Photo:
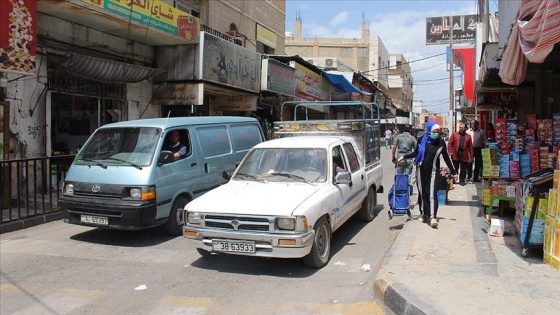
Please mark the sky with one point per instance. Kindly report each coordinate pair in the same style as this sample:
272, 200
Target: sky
401, 26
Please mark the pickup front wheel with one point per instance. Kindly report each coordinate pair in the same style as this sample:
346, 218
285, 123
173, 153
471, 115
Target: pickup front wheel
321, 250
367, 212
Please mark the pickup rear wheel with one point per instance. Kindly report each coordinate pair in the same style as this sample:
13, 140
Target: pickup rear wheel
367, 212
321, 250
173, 225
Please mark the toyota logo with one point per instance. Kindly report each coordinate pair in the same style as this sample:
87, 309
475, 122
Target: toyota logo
235, 224
95, 188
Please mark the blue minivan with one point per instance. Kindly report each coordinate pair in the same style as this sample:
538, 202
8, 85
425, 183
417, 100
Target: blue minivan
124, 178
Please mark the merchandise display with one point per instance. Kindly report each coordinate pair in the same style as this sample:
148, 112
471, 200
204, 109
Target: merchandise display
551, 247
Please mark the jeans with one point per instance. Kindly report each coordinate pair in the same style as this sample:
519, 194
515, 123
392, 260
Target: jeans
387, 143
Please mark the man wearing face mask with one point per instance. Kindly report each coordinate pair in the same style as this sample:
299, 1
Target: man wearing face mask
426, 158
461, 151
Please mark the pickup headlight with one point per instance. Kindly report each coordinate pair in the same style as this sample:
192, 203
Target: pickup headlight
297, 223
194, 217
286, 223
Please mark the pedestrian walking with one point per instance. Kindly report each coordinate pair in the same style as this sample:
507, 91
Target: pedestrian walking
426, 158
461, 151
388, 135
404, 144
479, 141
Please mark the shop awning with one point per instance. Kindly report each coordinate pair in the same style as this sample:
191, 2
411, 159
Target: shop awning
532, 38
107, 70
342, 84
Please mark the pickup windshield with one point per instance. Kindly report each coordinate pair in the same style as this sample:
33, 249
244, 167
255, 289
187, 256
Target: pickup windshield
132, 146
284, 165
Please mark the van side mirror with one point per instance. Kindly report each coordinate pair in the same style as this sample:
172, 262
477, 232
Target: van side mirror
226, 175
165, 157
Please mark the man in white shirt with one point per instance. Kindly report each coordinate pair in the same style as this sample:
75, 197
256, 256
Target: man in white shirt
388, 135
478, 141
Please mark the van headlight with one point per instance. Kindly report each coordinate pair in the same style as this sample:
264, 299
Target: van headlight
142, 193
194, 217
68, 189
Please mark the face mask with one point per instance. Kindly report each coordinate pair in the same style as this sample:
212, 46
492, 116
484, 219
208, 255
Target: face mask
434, 135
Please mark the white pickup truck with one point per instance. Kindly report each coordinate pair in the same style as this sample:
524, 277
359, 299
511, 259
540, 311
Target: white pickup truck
286, 199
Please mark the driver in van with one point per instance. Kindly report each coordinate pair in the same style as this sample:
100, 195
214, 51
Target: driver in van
175, 145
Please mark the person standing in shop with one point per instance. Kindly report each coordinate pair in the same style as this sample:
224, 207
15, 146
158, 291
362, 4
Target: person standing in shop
479, 141
461, 151
426, 158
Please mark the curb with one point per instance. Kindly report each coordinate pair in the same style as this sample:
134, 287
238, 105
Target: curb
393, 294
29, 222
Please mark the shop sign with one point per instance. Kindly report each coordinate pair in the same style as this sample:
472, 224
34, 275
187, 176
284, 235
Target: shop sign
226, 63
235, 103
496, 100
277, 77
360, 85
154, 14
266, 36
310, 86
18, 34
178, 94
438, 29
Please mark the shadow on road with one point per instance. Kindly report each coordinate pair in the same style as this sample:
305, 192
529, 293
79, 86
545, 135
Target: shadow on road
142, 238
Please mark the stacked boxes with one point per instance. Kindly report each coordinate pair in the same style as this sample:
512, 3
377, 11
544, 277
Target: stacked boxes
504, 162
524, 204
490, 166
524, 165
551, 247
556, 129
500, 125
544, 130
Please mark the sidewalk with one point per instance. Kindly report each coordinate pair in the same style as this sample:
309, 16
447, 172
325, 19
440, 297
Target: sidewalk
459, 269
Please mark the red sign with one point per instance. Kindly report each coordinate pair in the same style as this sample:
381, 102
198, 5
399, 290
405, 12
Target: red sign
18, 23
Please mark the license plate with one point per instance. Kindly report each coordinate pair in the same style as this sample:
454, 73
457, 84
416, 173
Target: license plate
94, 220
234, 246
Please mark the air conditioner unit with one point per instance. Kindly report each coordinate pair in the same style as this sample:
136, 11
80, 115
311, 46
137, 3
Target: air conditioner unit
328, 62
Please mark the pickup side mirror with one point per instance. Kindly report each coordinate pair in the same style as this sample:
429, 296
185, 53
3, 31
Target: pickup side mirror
343, 177
165, 157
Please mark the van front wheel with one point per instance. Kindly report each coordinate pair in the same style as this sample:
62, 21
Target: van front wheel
173, 226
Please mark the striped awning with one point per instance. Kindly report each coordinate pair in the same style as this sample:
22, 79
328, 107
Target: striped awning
106, 70
533, 36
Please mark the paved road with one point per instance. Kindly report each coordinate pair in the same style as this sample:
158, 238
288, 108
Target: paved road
57, 268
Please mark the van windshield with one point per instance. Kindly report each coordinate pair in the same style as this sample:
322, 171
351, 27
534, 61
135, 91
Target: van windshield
132, 146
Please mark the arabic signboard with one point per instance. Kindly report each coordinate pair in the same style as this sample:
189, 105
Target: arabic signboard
362, 86
235, 103
277, 77
18, 24
310, 86
266, 36
438, 29
229, 64
154, 14
178, 94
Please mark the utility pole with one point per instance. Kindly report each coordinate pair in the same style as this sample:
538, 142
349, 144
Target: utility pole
451, 88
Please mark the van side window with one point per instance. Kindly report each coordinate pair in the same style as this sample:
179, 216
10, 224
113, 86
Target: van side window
352, 157
245, 136
177, 141
214, 140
